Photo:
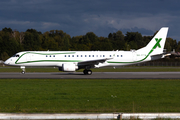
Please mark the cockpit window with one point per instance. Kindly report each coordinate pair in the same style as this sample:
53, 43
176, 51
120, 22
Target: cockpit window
16, 55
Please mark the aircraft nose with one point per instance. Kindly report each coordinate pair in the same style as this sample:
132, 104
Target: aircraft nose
7, 62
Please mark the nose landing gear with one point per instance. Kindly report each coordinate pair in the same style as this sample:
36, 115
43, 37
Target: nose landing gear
23, 69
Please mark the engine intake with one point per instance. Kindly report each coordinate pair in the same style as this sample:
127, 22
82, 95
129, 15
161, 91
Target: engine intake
69, 67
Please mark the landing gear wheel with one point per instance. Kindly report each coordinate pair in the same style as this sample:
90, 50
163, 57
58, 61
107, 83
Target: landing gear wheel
23, 72
87, 72
23, 69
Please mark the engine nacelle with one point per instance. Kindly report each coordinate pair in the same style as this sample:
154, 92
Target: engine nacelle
69, 67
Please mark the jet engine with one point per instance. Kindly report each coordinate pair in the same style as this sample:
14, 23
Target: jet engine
68, 67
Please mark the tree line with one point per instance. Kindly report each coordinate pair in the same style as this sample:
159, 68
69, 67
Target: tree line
13, 41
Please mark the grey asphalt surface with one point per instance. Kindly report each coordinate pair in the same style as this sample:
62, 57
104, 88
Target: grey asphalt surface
95, 75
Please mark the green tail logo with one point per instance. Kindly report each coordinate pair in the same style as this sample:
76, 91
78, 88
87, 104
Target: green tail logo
157, 43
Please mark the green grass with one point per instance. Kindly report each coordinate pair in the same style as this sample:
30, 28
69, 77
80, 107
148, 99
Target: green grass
109, 69
89, 95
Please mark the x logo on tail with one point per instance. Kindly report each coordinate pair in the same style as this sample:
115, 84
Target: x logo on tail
157, 43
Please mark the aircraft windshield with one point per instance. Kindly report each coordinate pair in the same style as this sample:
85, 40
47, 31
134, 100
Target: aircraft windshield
16, 55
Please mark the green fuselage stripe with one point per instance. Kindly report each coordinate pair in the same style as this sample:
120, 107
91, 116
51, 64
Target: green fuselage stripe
154, 47
50, 61
46, 60
134, 61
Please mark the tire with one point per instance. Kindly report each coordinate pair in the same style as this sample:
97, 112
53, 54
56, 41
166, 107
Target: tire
89, 72
85, 72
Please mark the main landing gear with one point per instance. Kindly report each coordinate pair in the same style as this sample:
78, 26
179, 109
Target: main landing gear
23, 69
87, 72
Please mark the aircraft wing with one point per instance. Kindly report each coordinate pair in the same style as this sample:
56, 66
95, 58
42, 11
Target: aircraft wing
91, 63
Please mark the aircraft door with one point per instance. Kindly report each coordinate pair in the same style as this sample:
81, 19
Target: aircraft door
28, 57
134, 55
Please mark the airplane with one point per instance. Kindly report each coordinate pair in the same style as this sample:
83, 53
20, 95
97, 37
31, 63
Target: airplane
70, 61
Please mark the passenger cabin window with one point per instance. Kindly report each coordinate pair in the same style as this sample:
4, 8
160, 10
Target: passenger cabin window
53, 56
77, 55
64, 55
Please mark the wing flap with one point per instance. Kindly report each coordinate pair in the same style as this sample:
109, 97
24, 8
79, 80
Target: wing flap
92, 63
158, 56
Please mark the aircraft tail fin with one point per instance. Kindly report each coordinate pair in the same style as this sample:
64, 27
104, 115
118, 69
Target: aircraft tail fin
156, 45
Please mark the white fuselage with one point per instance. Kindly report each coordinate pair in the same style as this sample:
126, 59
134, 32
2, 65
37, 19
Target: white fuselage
57, 58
